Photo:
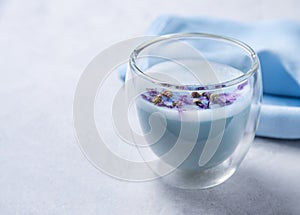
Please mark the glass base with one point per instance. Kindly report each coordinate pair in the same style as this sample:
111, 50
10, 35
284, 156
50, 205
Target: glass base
201, 179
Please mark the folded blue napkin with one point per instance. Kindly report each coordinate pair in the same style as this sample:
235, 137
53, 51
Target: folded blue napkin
277, 44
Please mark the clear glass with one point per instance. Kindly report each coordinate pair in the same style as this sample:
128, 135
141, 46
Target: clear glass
205, 93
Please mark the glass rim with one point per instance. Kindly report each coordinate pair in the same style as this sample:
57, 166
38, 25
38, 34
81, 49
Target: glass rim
190, 87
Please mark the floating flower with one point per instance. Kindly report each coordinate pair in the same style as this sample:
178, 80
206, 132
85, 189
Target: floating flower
177, 104
220, 86
185, 99
225, 99
166, 84
206, 94
152, 92
202, 105
213, 97
241, 86
166, 93
179, 100
195, 95
200, 88
157, 99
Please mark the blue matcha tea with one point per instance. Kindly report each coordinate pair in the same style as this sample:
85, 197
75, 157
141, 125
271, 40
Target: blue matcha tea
219, 117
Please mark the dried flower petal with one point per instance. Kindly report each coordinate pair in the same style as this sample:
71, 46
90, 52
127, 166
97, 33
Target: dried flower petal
213, 97
241, 86
157, 99
166, 93
152, 92
206, 94
166, 84
225, 99
185, 99
180, 100
195, 95
177, 104
200, 88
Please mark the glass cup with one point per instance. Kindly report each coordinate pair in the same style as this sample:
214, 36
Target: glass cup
198, 100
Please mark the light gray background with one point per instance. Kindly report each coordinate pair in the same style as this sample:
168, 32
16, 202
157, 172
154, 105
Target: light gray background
44, 47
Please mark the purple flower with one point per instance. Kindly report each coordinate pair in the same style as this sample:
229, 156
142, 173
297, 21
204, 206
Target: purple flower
204, 100
167, 93
226, 99
161, 104
152, 92
220, 86
149, 99
206, 94
200, 88
242, 85
180, 100
185, 99
202, 104
195, 95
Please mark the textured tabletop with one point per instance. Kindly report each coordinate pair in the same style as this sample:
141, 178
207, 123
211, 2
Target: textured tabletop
44, 47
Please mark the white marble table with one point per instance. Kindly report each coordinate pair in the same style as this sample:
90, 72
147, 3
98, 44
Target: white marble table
44, 47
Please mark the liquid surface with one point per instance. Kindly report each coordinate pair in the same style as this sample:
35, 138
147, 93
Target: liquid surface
237, 97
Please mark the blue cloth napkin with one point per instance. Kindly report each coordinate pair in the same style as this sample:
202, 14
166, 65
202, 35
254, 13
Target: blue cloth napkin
277, 44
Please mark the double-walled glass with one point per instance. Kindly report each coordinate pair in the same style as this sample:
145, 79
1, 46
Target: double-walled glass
203, 92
